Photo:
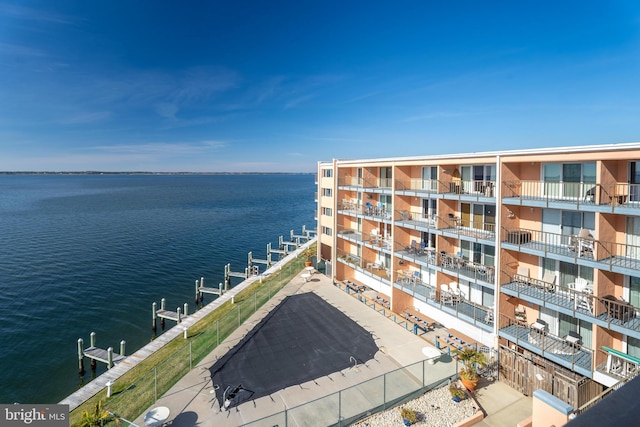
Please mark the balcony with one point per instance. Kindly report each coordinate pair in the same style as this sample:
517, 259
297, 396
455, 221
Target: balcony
451, 225
573, 356
369, 210
463, 309
369, 268
372, 239
618, 197
605, 311
610, 256
377, 185
458, 189
450, 264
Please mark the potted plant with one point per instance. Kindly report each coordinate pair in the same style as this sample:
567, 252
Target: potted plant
308, 254
408, 415
457, 394
471, 360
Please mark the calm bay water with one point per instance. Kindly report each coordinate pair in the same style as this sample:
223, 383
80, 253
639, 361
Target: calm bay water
82, 253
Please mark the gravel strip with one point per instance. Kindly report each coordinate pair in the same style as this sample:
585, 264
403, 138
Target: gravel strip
434, 409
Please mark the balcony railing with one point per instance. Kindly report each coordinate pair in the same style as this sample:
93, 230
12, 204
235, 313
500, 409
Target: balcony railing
608, 254
575, 193
450, 224
350, 181
474, 188
463, 309
370, 268
418, 185
574, 356
373, 210
607, 310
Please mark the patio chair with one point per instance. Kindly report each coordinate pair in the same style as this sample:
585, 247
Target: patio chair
574, 243
549, 281
414, 247
580, 285
590, 195
445, 295
369, 208
455, 290
522, 275
540, 326
416, 277
573, 338
585, 242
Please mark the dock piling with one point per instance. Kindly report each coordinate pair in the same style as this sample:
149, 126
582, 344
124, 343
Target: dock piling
154, 317
80, 357
123, 343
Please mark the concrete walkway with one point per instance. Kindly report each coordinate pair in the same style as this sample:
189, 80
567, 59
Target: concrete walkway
503, 406
192, 401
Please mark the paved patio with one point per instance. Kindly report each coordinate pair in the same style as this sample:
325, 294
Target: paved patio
192, 401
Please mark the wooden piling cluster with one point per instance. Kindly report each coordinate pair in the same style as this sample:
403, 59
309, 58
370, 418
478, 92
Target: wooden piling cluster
163, 314
98, 354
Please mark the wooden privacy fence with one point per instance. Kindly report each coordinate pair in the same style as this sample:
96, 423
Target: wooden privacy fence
527, 372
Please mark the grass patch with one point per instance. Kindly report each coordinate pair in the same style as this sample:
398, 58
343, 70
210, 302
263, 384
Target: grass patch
141, 386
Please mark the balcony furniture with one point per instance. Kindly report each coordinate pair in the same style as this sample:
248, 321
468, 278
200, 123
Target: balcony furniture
540, 326
414, 247
620, 363
619, 199
405, 215
455, 290
488, 318
446, 297
521, 315
585, 242
519, 237
580, 285
590, 195
445, 260
375, 236
548, 281
488, 190
619, 309
157, 416
522, 275
573, 338
368, 208
454, 220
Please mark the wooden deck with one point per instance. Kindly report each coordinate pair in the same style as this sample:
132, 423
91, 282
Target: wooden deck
102, 355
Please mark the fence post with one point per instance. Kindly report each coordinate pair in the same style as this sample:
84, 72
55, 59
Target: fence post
155, 383
340, 408
238, 315
384, 391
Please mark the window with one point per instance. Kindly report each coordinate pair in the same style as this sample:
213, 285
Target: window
478, 216
567, 323
475, 178
430, 210
327, 211
568, 180
385, 177
633, 237
327, 192
634, 291
478, 253
326, 231
327, 173
430, 178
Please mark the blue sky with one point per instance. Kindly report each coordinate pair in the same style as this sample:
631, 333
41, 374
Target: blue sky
223, 86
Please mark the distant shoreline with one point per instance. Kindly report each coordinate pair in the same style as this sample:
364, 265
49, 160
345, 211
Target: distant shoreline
147, 173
